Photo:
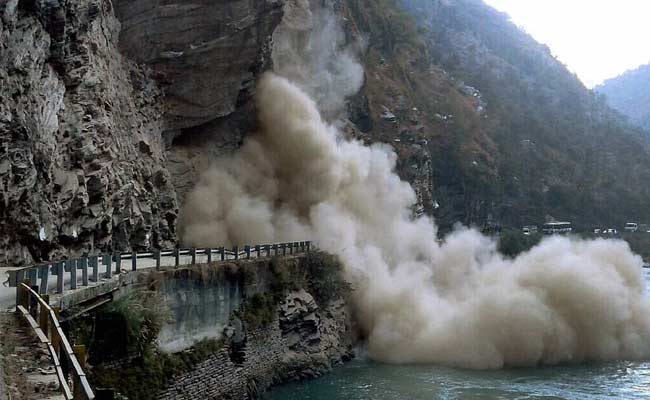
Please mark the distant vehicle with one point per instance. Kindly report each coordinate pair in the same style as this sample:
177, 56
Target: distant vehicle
610, 231
597, 230
631, 227
529, 229
553, 228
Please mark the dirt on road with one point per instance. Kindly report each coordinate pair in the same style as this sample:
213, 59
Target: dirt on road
26, 371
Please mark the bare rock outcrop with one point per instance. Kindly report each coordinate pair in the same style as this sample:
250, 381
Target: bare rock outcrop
204, 53
92, 95
82, 162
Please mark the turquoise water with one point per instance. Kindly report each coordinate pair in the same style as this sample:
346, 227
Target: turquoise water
366, 380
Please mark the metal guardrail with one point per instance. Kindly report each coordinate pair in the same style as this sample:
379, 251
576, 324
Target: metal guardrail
89, 267
34, 308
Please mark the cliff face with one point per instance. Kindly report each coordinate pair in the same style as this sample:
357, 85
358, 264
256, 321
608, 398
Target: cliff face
90, 107
203, 53
110, 111
81, 154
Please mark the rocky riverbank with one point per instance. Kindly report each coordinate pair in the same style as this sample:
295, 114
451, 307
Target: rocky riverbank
304, 341
221, 331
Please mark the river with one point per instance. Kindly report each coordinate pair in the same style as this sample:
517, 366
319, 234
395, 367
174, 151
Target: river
363, 379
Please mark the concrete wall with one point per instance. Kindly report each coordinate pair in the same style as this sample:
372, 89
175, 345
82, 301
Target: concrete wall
201, 303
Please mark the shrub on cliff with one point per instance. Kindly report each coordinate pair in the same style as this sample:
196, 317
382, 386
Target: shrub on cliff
131, 323
325, 277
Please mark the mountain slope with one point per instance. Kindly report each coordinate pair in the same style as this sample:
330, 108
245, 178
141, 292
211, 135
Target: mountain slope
514, 136
630, 94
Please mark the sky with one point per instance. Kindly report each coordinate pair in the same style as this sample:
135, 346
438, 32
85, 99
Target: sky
596, 39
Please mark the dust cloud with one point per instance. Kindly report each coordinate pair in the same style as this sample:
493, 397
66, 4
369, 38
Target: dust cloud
458, 303
310, 49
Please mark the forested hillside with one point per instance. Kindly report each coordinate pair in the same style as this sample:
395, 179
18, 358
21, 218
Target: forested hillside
630, 94
514, 136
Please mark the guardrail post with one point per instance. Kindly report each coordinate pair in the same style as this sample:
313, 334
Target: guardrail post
83, 264
222, 251
177, 257
108, 262
308, 243
118, 263
20, 296
247, 249
80, 353
33, 276
34, 304
193, 255
134, 260
45, 276
44, 315
208, 251
94, 262
13, 278
73, 273
267, 247
284, 249
235, 250
20, 277
258, 251
156, 255
59, 277
56, 340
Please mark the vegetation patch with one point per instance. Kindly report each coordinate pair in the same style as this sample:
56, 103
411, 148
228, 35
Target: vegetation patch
325, 277
124, 354
513, 242
260, 310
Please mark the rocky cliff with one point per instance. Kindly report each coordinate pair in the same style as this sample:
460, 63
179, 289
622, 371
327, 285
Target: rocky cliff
110, 111
82, 160
93, 94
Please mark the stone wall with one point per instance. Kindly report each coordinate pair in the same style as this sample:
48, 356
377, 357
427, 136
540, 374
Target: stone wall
305, 341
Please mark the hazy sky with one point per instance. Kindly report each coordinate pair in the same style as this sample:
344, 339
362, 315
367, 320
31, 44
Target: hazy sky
596, 39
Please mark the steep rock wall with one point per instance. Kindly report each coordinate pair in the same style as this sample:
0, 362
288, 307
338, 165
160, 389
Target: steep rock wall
82, 162
101, 100
203, 52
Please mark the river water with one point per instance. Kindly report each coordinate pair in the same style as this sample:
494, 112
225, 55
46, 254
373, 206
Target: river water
363, 379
